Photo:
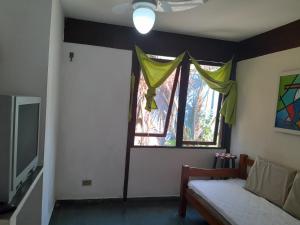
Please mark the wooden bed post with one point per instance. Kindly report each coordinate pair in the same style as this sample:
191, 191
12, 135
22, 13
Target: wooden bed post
183, 186
243, 166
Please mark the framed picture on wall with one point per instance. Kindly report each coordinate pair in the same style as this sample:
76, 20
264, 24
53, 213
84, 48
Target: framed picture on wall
288, 103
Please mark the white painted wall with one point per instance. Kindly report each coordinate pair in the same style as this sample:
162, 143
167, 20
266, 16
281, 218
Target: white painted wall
93, 122
24, 45
156, 172
253, 134
51, 127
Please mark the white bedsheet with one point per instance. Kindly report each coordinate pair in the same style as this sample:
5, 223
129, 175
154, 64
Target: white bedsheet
239, 206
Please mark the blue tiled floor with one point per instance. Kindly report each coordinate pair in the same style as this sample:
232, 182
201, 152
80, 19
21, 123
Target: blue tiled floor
119, 213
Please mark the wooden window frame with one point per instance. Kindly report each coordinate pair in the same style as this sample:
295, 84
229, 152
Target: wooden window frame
216, 129
182, 71
170, 106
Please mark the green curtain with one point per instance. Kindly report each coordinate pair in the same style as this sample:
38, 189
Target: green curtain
132, 82
219, 80
155, 73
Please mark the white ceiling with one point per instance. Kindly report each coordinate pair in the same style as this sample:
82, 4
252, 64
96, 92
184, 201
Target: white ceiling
233, 20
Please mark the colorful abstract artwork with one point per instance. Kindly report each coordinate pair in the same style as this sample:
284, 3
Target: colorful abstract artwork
288, 105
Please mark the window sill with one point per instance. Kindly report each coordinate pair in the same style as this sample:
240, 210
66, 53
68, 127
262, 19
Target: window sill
174, 147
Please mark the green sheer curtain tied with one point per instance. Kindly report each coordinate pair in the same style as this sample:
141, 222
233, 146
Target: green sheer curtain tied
155, 73
219, 80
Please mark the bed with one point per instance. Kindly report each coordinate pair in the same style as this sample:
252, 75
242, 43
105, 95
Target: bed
225, 201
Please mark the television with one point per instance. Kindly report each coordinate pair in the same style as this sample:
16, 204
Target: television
19, 142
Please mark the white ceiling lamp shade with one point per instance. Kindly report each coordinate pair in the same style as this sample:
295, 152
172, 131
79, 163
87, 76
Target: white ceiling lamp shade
143, 15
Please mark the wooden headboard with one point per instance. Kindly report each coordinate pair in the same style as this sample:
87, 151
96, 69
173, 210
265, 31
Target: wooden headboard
245, 162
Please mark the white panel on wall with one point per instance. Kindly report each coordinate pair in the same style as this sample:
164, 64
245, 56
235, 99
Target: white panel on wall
31, 210
254, 133
51, 126
95, 90
156, 172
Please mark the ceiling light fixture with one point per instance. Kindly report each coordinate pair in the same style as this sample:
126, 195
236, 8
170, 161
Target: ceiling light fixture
143, 15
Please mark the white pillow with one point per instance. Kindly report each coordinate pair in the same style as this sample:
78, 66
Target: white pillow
270, 180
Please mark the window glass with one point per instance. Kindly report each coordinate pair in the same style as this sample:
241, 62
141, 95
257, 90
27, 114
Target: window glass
158, 127
201, 112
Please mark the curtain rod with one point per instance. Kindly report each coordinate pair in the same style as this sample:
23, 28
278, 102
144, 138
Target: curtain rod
201, 60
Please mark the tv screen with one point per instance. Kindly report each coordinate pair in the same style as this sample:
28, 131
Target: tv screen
27, 142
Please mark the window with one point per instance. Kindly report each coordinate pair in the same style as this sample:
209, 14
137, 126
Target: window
158, 127
201, 122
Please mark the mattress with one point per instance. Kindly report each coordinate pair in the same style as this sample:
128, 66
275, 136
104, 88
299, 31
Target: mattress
239, 206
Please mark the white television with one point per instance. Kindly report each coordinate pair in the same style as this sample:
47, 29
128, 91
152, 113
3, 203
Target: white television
19, 142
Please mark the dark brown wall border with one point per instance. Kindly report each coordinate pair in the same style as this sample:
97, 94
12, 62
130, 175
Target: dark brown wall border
278, 39
156, 42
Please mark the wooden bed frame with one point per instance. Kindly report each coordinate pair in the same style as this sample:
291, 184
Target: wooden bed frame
187, 196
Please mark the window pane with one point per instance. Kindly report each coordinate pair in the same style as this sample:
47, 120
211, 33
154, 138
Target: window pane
154, 122
201, 109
